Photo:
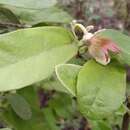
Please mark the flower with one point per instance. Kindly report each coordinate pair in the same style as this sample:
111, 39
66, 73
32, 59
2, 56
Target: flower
98, 47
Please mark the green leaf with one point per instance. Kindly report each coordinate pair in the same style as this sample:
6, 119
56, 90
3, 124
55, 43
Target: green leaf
37, 121
121, 111
62, 106
33, 4
20, 106
32, 17
6, 16
67, 75
31, 95
122, 40
50, 119
30, 55
5, 129
52, 83
100, 89
100, 125
46, 118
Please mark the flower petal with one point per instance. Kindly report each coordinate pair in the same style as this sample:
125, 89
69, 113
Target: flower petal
99, 49
99, 55
104, 60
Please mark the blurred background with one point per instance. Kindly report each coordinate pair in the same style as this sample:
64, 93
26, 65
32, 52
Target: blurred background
101, 13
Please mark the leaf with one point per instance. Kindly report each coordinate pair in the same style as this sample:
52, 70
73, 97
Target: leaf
37, 121
100, 89
52, 83
20, 106
62, 106
67, 75
30, 55
7, 16
122, 40
42, 118
33, 4
31, 95
5, 129
100, 125
33, 17
50, 119
46, 118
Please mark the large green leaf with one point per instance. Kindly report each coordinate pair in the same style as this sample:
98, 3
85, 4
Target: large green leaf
35, 4
20, 106
122, 40
67, 75
32, 17
30, 55
100, 89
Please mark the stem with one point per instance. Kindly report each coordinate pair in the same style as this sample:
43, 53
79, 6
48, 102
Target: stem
126, 118
126, 121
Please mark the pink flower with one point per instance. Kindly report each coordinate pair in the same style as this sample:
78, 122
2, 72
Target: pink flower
99, 48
